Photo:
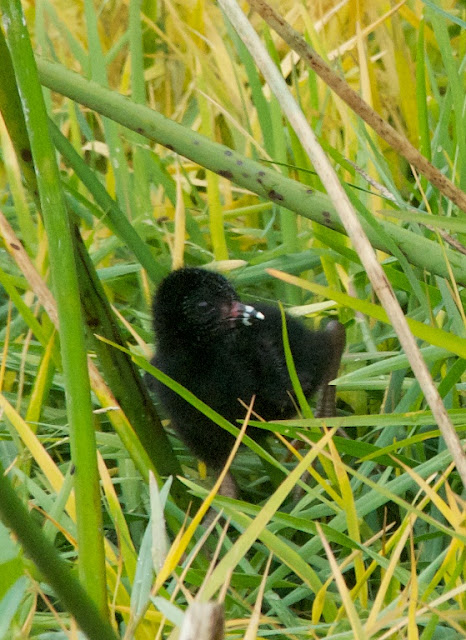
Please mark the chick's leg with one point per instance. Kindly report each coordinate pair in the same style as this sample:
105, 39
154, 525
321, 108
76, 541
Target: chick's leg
326, 406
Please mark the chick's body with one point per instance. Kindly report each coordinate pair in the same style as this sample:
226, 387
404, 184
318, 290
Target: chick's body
224, 351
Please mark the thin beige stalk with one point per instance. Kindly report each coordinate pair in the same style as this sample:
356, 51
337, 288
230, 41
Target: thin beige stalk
352, 225
44, 295
358, 105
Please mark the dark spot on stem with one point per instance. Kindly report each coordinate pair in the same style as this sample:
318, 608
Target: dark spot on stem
309, 192
225, 173
261, 173
26, 155
239, 163
170, 147
274, 195
92, 322
228, 152
327, 218
245, 175
14, 246
140, 130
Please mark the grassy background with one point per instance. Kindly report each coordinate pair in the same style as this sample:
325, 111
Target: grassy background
375, 547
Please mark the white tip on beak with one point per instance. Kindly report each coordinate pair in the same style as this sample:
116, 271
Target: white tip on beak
246, 313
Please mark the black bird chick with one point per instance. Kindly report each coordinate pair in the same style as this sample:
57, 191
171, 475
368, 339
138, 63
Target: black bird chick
224, 351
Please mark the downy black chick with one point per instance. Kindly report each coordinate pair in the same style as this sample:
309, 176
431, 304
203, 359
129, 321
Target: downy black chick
223, 351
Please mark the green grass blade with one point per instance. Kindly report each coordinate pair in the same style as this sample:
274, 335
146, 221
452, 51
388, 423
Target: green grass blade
264, 182
62, 261
56, 572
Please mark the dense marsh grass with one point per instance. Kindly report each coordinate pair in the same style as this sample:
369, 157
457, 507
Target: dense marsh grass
216, 176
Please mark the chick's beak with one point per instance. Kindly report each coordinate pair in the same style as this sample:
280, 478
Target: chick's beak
245, 313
